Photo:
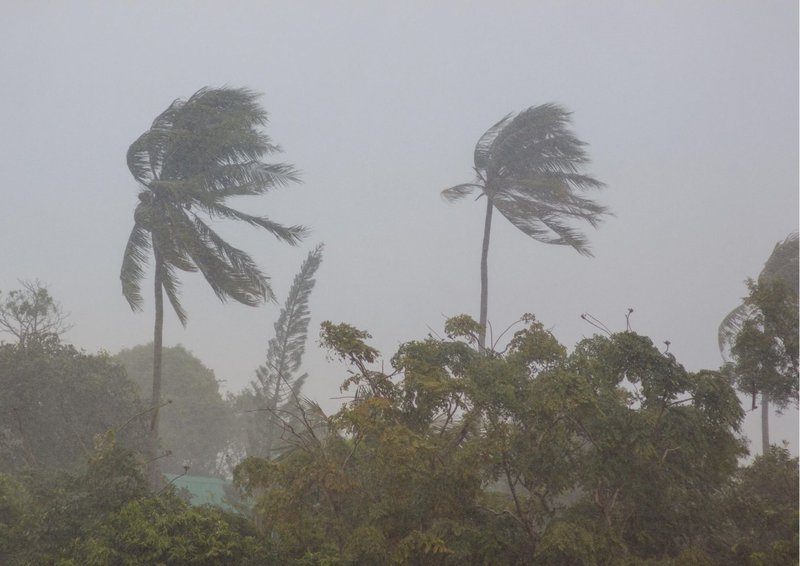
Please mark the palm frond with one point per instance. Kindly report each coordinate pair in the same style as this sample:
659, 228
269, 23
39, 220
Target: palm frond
730, 326
289, 234
133, 262
782, 264
146, 155
239, 261
172, 288
483, 149
458, 192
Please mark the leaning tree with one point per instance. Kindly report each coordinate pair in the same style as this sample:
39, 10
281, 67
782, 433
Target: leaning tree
529, 167
198, 154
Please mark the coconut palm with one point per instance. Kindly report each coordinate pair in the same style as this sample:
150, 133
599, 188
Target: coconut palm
529, 167
197, 154
780, 267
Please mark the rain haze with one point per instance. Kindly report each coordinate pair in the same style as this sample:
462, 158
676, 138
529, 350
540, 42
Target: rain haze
690, 110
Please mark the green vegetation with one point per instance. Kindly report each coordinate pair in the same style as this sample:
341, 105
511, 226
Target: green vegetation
759, 338
462, 452
268, 408
197, 422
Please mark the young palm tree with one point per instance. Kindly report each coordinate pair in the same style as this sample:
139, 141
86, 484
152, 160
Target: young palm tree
781, 266
528, 166
198, 153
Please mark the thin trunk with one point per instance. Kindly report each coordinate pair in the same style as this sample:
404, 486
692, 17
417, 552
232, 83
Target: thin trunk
273, 418
487, 229
153, 467
764, 423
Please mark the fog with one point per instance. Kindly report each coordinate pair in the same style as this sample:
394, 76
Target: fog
690, 110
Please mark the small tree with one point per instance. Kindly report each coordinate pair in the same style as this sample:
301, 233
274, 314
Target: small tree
31, 314
758, 339
275, 392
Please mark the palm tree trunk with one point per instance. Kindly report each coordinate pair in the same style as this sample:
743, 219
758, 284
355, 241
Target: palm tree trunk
153, 469
487, 229
764, 423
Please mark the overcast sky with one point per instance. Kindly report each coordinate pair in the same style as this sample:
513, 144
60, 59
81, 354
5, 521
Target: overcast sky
690, 109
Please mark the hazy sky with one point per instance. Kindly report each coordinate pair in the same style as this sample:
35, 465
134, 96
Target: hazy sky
691, 110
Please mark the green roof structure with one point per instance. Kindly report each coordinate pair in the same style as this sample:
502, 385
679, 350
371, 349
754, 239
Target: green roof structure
203, 490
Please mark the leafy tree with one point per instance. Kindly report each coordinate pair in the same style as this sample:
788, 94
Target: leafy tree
107, 515
197, 154
763, 508
759, 338
197, 422
611, 454
31, 315
55, 399
528, 166
165, 530
271, 403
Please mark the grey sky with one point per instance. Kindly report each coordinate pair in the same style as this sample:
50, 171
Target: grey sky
691, 110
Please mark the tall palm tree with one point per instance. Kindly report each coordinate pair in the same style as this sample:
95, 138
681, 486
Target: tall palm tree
197, 154
781, 266
528, 166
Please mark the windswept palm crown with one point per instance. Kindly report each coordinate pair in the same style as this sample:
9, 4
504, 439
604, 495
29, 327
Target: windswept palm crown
782, 265
528, 166
197, 154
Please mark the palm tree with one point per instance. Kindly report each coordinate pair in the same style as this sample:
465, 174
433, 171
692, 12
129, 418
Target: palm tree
782, 267
528, 166
197, 154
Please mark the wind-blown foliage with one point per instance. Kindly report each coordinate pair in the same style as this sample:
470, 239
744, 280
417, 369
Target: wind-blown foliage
782, 265
758, 339
197, 154
276, 390
31, 315
613, 454
529, 167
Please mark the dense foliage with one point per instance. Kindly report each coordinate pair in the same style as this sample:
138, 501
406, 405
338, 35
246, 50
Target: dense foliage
610, 454
55, 399
196, 424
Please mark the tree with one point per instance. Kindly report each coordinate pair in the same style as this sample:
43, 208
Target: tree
528, 166
31, 315
106, 514
197, 423
55, 399
764, 509
613, 454
759, 338
274, 395
197, 154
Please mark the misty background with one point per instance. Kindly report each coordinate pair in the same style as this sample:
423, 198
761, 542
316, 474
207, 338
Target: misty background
690, 109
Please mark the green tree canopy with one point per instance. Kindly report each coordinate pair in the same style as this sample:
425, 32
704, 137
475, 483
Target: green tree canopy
55, 399
613, 453
197, 423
